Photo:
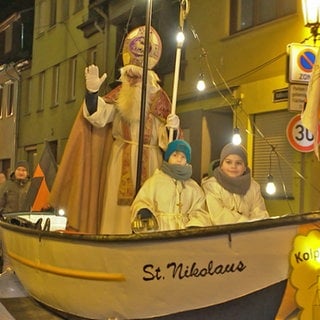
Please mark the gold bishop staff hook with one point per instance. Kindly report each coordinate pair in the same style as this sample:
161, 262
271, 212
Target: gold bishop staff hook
184, 11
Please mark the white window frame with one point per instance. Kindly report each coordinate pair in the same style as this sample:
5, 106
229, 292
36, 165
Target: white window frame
10, 100
41, 91
72, 78
55, 85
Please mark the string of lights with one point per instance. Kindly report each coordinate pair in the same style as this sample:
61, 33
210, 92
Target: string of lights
234, 104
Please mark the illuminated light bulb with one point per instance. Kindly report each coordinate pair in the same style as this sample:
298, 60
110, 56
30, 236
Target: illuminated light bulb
201, 85
61, 212
270, 187
236, 138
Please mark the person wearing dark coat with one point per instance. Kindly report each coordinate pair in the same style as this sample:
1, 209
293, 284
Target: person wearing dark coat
13, 192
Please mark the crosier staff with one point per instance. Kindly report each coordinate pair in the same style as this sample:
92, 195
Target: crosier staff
184, 10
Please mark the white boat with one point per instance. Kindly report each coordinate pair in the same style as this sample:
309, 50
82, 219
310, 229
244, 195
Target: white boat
223, 272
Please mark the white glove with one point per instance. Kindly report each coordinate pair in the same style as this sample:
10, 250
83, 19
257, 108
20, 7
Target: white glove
93, 82
173, 121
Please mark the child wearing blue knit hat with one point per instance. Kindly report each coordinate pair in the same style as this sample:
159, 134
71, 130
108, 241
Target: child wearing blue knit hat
170, 197
179, 146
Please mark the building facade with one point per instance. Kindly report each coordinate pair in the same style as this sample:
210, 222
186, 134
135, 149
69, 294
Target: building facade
240, 48
15, 56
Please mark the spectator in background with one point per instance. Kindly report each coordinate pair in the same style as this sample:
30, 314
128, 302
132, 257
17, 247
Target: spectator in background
232, 195
13, 192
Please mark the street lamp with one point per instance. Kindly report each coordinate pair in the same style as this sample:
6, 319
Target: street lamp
311, 15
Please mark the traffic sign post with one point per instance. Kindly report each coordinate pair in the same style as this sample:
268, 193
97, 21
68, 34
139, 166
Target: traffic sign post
301, 61
297, 96
299, 137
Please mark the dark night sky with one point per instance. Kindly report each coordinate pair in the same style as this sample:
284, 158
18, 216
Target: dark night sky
8, 7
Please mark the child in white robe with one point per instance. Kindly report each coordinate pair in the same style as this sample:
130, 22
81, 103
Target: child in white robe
170, 196
232, 195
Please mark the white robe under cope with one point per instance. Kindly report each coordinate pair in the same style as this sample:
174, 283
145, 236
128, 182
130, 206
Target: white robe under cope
116, 209
225, 207
172, 202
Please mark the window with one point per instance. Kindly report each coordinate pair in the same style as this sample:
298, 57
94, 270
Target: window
8, 39
273, 127
53, 13
54, 149
1, 102
10, 98
245, 14
78, 5
64, 10
72, 78
41, 91
46, 15
28, 95
31, 155
42, 18
55, 85
92, 56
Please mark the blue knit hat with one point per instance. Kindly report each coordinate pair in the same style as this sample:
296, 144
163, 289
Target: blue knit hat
178, 145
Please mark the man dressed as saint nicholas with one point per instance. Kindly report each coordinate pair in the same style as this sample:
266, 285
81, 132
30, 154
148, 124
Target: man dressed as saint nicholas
96, 180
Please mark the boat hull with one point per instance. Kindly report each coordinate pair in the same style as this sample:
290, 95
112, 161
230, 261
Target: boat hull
153, 275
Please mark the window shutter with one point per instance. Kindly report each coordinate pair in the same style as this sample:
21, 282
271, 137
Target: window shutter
273, 126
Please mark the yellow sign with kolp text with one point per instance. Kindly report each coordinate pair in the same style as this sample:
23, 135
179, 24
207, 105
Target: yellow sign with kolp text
305, 274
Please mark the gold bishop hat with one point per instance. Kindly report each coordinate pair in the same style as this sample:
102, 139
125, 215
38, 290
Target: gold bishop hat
133, 47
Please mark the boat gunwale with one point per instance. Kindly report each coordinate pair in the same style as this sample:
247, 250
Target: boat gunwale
194, 232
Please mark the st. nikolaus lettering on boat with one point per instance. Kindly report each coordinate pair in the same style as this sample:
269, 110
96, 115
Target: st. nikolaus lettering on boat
181, 271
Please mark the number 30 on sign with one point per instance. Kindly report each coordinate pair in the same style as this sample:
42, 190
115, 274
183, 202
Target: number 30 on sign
300, 138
